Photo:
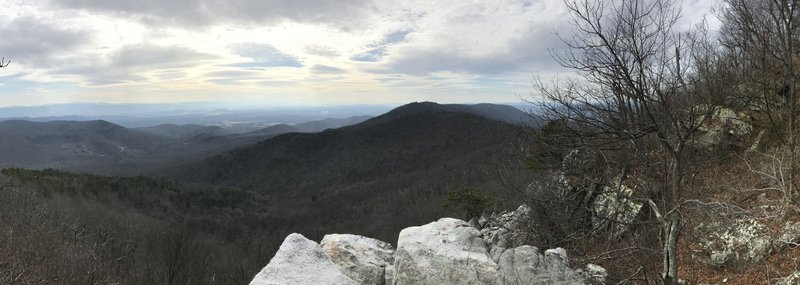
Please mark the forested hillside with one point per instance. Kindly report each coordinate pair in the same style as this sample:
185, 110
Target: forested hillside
83, 229
228, 214
394, 168
666, 153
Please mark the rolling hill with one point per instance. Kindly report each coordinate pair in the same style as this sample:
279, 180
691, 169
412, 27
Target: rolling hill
496, 112
395, 168
101, 147
226, 215
330, 123
183, 131
69, 143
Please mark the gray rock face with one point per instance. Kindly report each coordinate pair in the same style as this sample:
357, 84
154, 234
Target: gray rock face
526, 265
447, 251
389, 275
734, 242
582, 167
792, 279
596, 274
363, 259
723, 126
509, 229
790, 234
614, 208
300, 261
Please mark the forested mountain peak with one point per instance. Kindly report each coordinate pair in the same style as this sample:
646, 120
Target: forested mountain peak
497, 112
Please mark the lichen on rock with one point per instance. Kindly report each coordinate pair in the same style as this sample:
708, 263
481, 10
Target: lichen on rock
447, 251
508, 229
365, 260
790, 235
723, 125
300, 261
615, 208
733, 242
792, 279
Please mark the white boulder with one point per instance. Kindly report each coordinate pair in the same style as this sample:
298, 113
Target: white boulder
526, 265
365, 260
615, 208
733, 242
790, 234
509, 229
596, 273
723, 125
300, 261
447, 251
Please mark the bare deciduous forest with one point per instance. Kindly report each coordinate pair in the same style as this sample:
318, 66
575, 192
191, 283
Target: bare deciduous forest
668, 157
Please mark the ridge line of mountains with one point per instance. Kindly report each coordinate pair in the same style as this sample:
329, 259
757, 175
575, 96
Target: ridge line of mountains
237, 196
102, 147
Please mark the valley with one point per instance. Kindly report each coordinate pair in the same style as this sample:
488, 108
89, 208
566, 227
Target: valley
224, 193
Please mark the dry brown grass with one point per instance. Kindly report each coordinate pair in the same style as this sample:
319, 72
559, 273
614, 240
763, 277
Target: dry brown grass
721, 180
745, 189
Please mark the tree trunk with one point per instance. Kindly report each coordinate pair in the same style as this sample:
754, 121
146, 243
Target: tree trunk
788, 11
670, 274
792, 143
672, 222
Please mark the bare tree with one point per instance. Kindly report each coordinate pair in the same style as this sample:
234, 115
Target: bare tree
641, 96
762, 37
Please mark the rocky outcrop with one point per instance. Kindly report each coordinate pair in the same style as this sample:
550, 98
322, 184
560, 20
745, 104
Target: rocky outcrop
363, 259
526, 265
613, 206
300, 261
448, 251
723, 125
582, 168
507, 229
596, 273
733, 242
615, 209
792, 279
790, 235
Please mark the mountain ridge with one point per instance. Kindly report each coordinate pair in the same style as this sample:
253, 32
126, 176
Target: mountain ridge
385, 164
497, 112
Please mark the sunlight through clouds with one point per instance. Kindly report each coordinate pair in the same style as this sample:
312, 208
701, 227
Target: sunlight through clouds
320, 51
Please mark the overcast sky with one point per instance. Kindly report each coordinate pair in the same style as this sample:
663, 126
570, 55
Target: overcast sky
280, 52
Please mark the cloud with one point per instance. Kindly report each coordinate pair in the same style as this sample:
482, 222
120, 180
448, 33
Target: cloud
398, 47
320, 50
143, 56
263, 56
694, 11
373, 55
232, 74
492, 37
324, 69
378, 51
209, 12
527, 54
483, 37
130, 63
34, 42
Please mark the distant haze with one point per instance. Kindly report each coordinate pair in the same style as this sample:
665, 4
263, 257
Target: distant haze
236, 117
177, 133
